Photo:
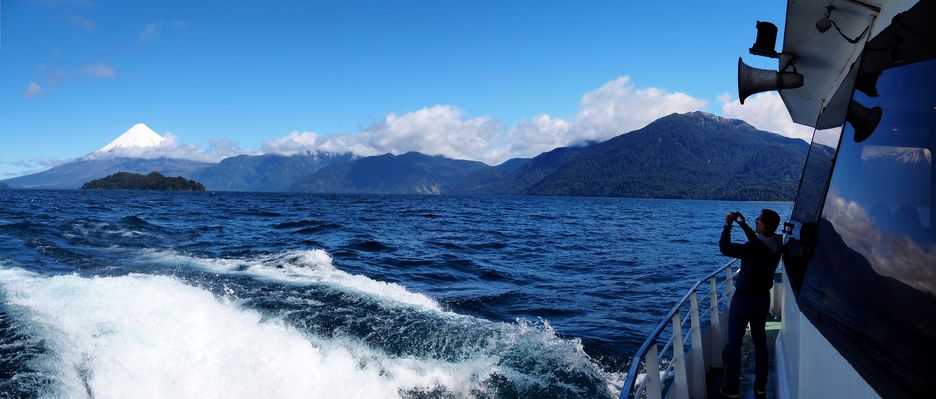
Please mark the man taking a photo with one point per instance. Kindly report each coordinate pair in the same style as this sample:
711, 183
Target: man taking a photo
751, 301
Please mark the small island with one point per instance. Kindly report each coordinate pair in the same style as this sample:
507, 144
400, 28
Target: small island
136, 181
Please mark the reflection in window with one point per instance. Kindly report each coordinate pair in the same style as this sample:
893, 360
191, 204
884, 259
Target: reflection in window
870, 287
881, 199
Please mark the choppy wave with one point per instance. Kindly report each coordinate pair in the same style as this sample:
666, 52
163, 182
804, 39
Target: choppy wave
301, 267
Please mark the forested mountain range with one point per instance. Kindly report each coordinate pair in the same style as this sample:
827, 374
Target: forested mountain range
268, 172
694, 155
409, 173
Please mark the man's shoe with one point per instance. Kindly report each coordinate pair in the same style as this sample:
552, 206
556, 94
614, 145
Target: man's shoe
729, 392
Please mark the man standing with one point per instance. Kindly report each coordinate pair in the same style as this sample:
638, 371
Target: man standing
751, 301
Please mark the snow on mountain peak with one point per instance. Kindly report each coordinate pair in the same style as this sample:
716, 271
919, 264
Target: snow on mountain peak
138, 136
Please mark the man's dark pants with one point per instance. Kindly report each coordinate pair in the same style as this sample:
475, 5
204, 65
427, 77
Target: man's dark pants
744, 310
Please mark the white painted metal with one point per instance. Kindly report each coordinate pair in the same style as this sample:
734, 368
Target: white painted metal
653, 388
697, 366
824, 58
680, 383
808, 366
782, 378
730, 284
714, 358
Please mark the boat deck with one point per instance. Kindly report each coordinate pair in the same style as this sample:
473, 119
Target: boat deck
716, 377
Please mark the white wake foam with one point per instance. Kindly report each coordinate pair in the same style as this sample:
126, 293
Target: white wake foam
302, 267
146, 336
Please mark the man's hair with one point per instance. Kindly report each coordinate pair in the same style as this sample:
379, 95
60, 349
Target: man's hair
770, 219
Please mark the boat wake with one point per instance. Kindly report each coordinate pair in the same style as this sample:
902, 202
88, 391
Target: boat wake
298, 267
282, 325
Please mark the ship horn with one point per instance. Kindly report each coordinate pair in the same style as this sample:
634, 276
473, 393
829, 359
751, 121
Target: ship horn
755, 80
863, 119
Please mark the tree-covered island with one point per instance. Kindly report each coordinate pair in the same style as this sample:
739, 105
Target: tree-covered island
136, 181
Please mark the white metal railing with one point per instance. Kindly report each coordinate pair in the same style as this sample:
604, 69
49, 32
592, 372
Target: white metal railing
677, 380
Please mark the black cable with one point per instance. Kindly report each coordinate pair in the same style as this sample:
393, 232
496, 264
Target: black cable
852, 41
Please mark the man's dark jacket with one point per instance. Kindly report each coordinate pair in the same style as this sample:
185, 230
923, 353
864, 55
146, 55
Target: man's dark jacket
759, 258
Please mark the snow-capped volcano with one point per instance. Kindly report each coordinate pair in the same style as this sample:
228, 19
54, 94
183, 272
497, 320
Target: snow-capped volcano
139, 136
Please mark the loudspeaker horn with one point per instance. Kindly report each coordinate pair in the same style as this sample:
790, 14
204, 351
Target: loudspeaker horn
863, 119
755, 80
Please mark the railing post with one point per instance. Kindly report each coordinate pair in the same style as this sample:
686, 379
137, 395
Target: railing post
714, 357
729, 284
680, 384
729, 293
698, 359
653, 387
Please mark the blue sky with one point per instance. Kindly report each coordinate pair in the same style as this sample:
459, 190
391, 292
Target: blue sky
473, 79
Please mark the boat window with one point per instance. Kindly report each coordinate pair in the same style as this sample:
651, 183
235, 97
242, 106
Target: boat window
874, 268
816, 174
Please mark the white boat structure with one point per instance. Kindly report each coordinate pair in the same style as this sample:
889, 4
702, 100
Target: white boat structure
856, 317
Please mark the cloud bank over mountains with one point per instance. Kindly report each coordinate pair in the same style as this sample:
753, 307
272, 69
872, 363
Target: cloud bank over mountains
616, 107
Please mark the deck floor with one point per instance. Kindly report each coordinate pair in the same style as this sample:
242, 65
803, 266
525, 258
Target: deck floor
716, 377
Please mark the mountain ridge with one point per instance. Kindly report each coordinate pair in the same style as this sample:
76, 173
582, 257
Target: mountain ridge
267, 172
408, 173
693, 155
685, 156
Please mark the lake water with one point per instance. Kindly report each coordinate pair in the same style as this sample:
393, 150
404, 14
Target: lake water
218, 295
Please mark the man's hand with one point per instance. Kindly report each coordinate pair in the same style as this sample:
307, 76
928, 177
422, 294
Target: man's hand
730, 218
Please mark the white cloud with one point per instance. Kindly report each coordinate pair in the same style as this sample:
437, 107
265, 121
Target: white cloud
32, 90
292, 144
150, 31
619, 107
437, 130
614, 108
100, 71
540, 134
765, 111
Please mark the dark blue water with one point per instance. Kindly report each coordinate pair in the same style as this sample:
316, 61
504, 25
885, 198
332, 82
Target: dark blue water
150, 294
